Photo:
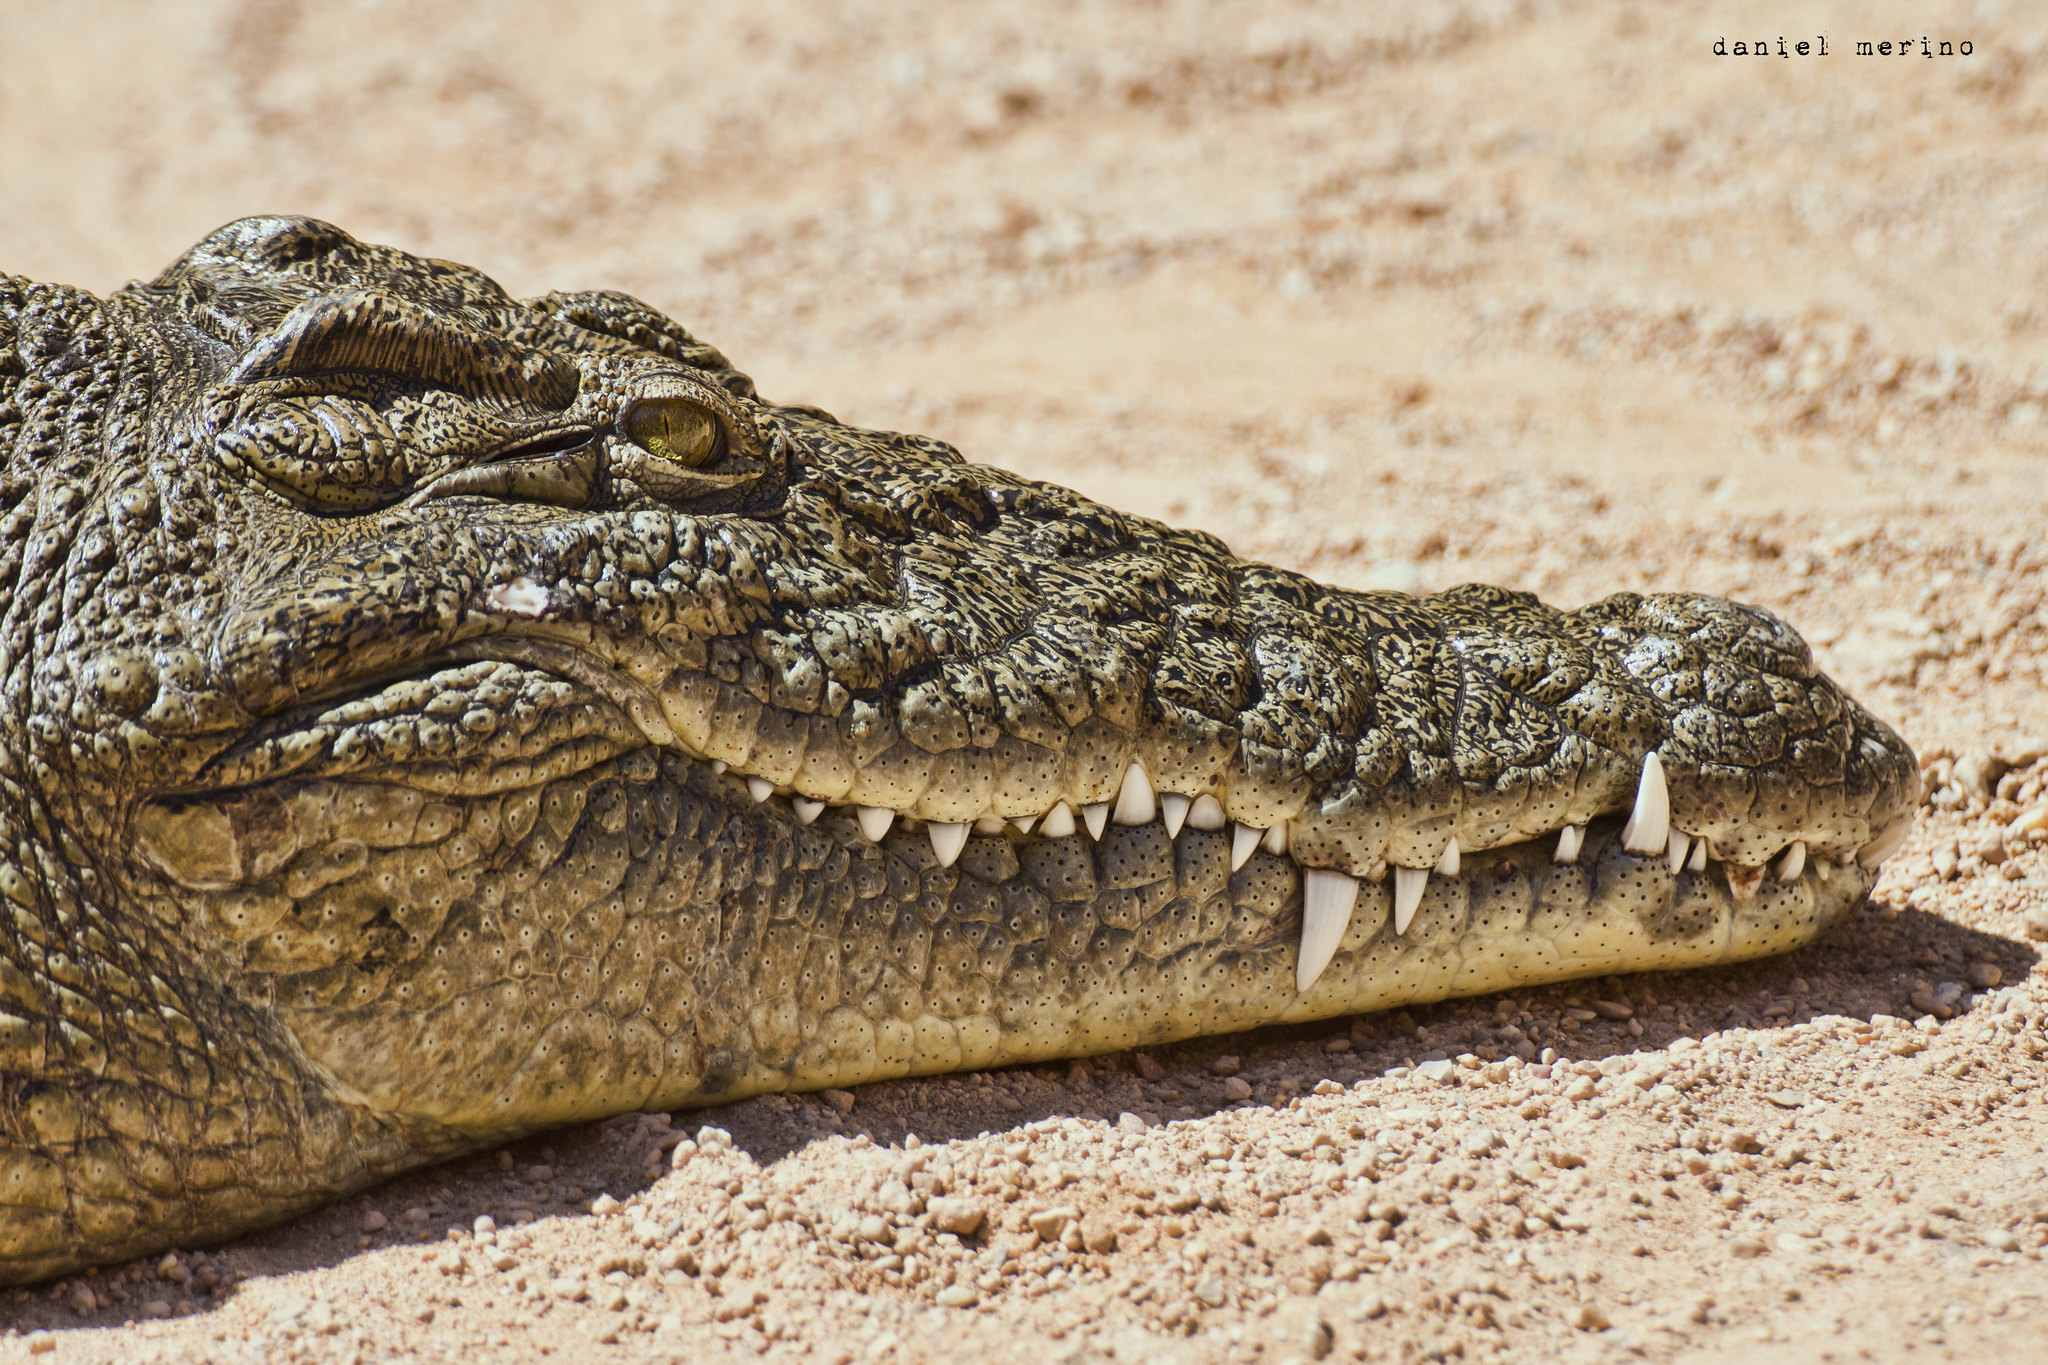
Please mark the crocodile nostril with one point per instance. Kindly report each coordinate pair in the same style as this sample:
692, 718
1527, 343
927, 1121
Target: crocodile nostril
674, 429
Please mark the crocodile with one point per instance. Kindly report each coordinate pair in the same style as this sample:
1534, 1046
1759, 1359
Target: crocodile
430, 717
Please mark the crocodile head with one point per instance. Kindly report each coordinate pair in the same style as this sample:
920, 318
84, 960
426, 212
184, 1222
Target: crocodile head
468, 695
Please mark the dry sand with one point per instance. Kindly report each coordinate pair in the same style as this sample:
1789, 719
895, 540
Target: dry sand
1546, 295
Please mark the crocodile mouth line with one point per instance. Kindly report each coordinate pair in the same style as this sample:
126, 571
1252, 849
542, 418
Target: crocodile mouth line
1329, 895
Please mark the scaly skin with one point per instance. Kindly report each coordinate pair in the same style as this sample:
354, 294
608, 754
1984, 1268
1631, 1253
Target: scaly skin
430, 717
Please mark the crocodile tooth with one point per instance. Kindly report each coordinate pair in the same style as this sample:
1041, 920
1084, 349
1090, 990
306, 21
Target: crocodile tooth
1409, 884
948, 838
1136, 804
1327, 899
1276, 840
760, 788
875, 822
1569, 840
1207, 813
1649, 824
1823, 869
718, 767
1447, 866
1243, 839
1096, 817
1744, 881
990, 824
1059, 822
806, 809
1698, 861
1025, 823
1174, 807
1793, 863
1677, 847
1887, 843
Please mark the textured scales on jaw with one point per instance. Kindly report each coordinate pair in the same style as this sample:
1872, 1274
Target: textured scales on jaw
506, 717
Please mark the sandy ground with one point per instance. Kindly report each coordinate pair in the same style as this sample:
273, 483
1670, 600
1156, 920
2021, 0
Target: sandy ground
1546, 295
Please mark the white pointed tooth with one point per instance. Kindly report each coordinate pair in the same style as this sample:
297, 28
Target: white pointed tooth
1447, 866
1676, 847
1409, 884
1793, 863
1059, 822
718, 767
990, 824
1887, 843
1744, 881
1276, 840
948, 838
760, 788
1024, 825
1698, 861
1207, 813
1136, 803
1327, 899
1096, 817
875, 822
1823, 868
1569, 840
806, 809
1173, 808
1649, 825
1243, 839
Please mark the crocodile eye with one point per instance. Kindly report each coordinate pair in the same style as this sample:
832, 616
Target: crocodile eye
675, 429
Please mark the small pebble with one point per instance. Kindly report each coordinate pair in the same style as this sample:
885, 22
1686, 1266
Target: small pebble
1478, 1141
1590, 1318
1745, 1248
842, 1100
958, 1296
2027, 822
1050, 1223
962, 1217
1226, 1066
1236, 1089
374, 1221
